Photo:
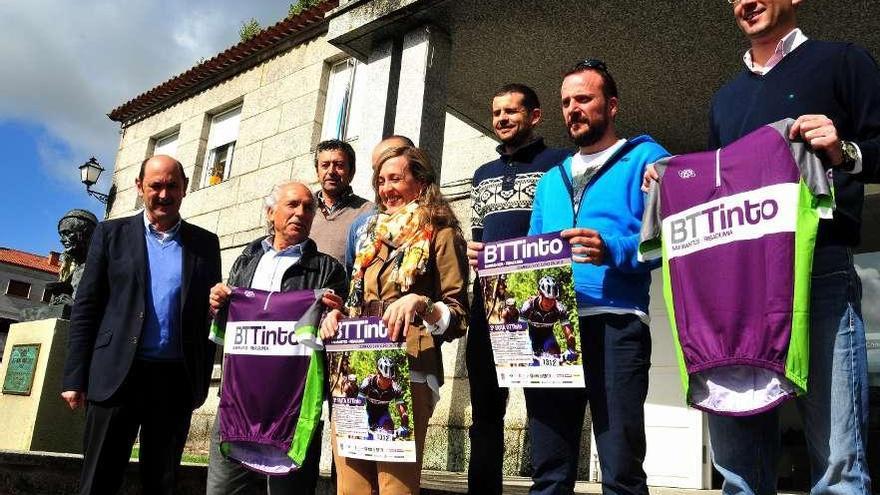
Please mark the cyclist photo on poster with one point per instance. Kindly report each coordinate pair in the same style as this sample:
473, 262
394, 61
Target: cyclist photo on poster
532, 312
372, 400
383, 393
544, 312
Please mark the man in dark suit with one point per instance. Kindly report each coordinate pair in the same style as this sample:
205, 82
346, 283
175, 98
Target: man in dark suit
138, 349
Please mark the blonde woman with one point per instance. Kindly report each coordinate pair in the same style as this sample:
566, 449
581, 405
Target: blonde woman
411, 269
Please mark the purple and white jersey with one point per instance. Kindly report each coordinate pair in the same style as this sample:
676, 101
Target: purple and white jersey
738, 227
273, 378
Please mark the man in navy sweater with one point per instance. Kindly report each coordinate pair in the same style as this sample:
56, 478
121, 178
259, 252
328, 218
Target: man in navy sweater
833, 90
502, 193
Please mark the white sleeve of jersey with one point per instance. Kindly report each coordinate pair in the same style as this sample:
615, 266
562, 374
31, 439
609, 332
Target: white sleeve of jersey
818, 180
649, 239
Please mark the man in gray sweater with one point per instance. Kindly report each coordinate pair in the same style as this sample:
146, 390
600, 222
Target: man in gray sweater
338, 205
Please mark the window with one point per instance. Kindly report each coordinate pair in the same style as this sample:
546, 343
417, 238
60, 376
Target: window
221, 147
47, 296
340, 98
18, 288
166, 145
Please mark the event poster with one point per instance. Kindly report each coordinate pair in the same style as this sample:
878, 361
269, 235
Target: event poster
531, 308
371, 393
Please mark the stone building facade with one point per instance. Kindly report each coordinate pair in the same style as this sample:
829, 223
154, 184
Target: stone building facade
361, 69
281, 103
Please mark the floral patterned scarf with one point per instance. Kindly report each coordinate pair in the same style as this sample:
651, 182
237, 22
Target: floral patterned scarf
408, 244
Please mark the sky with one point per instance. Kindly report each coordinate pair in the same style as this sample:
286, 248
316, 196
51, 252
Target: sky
66, 64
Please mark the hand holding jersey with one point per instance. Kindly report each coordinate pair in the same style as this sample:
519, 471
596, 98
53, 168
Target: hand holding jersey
820, 133
220, 293
219, 296
816, 130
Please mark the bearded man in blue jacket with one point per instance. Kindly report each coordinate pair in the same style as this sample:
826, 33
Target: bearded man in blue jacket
594, 197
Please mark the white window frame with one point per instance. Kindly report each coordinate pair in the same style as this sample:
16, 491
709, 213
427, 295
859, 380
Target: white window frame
166, 144
340, 95
30, 287
215, 143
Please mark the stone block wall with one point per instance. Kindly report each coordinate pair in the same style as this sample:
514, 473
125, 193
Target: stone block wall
282, 103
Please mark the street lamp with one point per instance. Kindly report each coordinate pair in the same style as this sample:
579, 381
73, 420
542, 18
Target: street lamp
89, 172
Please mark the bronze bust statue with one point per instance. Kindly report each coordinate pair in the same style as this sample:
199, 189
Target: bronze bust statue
75, 229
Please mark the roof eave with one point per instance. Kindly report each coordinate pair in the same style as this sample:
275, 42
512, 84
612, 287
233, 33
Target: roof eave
232, 61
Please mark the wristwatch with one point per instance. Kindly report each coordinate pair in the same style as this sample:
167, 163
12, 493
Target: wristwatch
429, 306
850, 154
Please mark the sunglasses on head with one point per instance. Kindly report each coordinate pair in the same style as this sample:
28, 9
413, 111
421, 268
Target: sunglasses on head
593, 63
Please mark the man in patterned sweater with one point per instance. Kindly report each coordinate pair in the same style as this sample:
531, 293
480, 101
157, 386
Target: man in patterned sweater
502, 193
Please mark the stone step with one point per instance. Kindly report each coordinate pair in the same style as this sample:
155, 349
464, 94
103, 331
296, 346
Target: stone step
446, 483
27, 473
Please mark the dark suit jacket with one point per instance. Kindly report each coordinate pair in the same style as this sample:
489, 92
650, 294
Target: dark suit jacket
108, 313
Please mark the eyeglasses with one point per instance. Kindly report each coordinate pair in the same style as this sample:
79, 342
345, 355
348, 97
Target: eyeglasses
595, 63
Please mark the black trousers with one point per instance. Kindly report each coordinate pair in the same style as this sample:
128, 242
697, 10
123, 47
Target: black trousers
617, 357
154, 398
488, 406
226, 477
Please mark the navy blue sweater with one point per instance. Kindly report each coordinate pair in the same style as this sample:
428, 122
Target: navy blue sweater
840, 80
503, 190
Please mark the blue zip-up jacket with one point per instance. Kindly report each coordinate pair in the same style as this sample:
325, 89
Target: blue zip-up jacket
612, 204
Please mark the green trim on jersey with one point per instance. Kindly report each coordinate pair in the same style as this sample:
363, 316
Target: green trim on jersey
650, 249
797, 362
217, 333
670, 311
310, 409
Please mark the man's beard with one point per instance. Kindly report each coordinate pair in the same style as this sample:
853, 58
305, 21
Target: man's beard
593, 135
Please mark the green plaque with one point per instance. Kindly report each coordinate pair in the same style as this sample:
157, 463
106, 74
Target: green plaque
20, 370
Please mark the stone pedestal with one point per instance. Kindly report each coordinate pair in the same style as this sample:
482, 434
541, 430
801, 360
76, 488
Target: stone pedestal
37, 419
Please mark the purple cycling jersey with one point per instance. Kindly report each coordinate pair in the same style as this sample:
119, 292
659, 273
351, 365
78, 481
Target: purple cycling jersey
738, 227
273, 379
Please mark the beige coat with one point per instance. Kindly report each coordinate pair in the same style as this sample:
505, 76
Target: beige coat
445, 279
